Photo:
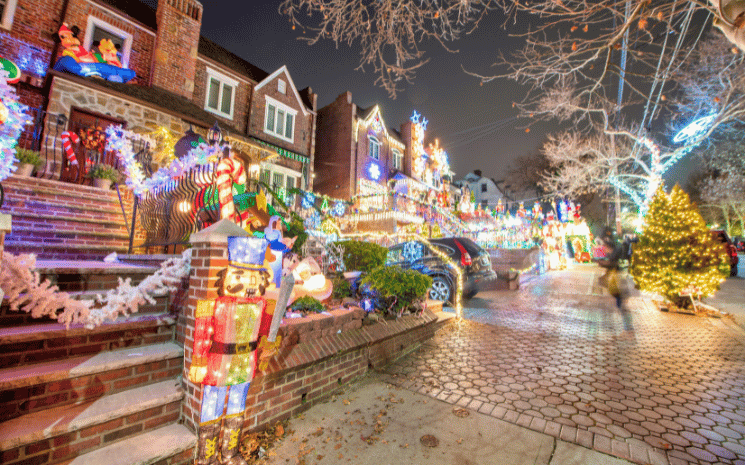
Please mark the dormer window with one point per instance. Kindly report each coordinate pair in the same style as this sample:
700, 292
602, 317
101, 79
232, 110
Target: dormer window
281, 86
279, 120
374, 148
97, 30
220, 96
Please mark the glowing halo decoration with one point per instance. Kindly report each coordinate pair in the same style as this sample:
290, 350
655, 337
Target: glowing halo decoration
120, 140
694, 128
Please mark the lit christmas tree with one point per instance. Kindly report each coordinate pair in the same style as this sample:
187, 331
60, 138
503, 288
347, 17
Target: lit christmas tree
676, 255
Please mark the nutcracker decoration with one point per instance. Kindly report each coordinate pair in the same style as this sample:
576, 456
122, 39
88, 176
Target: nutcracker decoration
228, 329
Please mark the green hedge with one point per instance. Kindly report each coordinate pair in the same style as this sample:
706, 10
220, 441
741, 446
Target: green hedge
363, 256
397, 289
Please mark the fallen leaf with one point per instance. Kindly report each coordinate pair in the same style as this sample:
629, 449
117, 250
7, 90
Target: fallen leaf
280, 431
459, 440
338, 446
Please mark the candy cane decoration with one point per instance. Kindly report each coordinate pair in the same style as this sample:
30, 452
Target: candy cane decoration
228, 172
69, 138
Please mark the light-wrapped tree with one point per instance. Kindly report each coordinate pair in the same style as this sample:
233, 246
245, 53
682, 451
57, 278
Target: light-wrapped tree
676, 255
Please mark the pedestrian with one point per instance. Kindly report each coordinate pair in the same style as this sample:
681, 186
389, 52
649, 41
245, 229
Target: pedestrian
614, 261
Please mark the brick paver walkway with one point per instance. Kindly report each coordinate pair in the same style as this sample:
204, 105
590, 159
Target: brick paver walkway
554, 357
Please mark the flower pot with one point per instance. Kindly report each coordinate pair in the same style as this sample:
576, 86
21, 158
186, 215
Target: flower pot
24, 169
102, 183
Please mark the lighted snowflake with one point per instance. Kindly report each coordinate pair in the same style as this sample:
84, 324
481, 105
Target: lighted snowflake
413, 251
338, 209
309, 200
374, 171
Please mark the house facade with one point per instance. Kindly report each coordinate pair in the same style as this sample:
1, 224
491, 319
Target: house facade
182, 81
486, 192
356, 153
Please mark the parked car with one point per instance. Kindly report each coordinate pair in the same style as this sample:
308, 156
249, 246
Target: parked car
721, 236
469, 256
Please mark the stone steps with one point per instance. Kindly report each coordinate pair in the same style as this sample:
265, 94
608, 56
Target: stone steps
93, 396
171, 445
58, 220
68, 380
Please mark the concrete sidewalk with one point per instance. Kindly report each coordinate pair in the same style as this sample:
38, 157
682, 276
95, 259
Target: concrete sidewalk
372, 422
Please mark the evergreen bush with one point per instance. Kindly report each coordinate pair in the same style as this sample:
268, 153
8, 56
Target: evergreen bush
395, 289
363, 256
307, 304
676, 255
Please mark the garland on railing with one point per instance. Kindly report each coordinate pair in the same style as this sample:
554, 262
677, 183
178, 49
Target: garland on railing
25, 291
119, 139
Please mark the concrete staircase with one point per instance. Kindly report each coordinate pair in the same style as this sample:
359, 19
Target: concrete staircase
58, 220
103, 396
111, 395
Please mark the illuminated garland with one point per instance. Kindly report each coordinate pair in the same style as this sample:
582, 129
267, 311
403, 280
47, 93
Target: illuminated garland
120, 140
13, 119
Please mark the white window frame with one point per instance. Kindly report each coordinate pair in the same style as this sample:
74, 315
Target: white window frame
223, 80
398, 159
95, 22
279, 106
272, 168
373, 142
8, 13
281, 86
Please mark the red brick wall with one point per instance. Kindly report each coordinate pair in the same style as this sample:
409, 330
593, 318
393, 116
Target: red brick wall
335, 148
206, 260
302, 137
174, 64
30, 35
143, 41
242, 94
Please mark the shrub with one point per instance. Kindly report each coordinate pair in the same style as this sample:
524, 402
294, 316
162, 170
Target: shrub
342, 288
297, 229
362, 256
104, 171
307, 304
32, 157
395, 289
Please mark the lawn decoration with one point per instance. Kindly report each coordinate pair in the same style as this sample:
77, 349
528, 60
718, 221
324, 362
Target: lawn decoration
77, 60
69, 138
227, 333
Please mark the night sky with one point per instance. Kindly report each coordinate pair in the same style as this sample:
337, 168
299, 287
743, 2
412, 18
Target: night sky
475, 124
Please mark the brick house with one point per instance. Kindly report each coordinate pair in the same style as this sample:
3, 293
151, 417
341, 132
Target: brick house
356, 152
359, 157
183, 80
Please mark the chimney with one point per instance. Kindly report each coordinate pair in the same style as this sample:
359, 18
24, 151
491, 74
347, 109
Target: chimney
179, 25
477, 172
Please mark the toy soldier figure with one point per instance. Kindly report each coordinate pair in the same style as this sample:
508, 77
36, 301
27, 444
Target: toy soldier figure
227, 331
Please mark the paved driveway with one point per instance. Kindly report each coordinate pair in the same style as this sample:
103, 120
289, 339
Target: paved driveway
557, 357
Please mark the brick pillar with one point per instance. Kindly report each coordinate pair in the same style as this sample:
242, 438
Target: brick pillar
209, 255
